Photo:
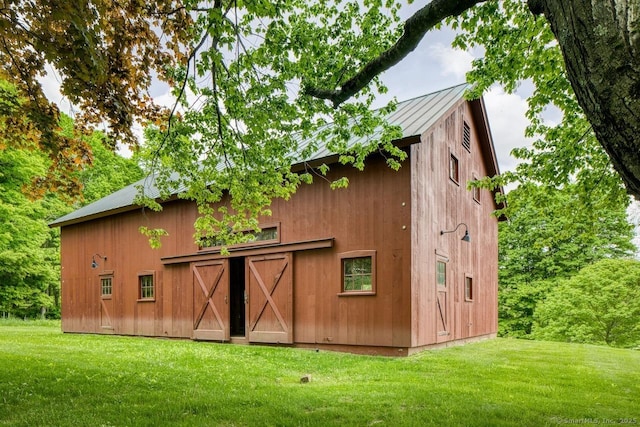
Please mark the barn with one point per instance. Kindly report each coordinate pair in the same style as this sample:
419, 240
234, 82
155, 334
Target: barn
396, 263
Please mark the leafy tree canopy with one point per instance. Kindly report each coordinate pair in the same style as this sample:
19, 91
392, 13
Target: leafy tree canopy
600, 305
29, 249
29, 258
550, 235
253, 78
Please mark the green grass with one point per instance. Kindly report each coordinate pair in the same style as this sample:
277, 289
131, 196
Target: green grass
52, 379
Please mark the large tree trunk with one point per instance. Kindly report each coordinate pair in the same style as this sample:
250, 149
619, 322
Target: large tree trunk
600, 41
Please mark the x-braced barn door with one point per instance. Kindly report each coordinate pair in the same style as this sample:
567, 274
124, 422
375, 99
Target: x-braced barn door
106, 306
270, 298
211, 300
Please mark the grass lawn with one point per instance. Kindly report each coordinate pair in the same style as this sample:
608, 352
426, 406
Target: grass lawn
52, 379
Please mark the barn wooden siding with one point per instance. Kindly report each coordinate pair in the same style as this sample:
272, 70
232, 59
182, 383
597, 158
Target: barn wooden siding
398, 215
373, 213
441, 204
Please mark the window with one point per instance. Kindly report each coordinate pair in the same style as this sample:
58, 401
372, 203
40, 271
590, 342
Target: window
357, 274
441, 273
466, 136
106, 286
358, 270
453, 168
267, 234
146, 288
468, 288
476, 191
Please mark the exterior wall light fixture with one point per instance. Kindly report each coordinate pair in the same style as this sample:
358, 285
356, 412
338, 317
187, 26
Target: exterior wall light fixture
466, 236
94, 263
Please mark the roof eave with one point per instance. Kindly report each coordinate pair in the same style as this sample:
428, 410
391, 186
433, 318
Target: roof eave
98, 215
335, 158
297, 167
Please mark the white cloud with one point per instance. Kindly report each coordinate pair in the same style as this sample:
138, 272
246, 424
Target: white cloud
453, 62
51, 88
633, 215
507, 120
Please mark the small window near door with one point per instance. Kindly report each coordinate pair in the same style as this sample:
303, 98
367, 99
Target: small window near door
468, 288
146, 287
358, 271
106, 286
441, 273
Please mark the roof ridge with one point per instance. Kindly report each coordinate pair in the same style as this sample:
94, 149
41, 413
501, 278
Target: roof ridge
431, 93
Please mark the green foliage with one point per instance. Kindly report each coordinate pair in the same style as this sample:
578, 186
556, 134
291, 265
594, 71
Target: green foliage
29, 261
242, 71
569, 208
176, 382
251, 117
29, 249
520, 50
599, 305
108, 172
551, 234
154, 236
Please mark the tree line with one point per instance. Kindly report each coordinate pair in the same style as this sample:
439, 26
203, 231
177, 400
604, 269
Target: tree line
29, 249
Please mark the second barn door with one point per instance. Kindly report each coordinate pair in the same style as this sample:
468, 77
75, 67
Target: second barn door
210, 300
270, 298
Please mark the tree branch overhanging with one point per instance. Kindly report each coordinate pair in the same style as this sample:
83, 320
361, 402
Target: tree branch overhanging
602, 59
414, 30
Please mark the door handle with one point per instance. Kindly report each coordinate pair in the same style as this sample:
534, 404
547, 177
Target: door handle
225, 299
246, 297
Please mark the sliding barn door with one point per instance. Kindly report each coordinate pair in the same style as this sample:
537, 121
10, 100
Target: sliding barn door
211, 300
270, 298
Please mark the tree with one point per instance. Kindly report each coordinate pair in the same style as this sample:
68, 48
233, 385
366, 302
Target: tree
108, 172
253, 78
550, 235
29, 265
29, 249
106, 53
599, 305
599, 44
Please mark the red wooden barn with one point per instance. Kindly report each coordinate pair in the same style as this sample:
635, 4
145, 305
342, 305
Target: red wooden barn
361, 269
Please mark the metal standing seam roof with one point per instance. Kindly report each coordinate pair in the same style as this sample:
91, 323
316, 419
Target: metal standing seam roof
414, 116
